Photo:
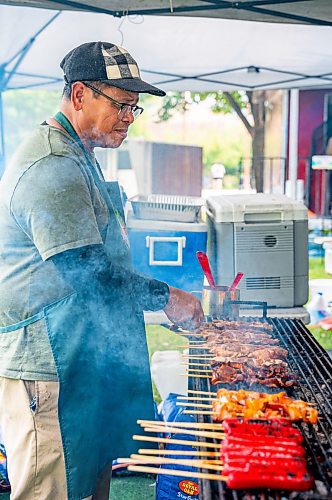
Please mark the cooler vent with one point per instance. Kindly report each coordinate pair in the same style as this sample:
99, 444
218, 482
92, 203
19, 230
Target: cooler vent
270, 241
255, 240
263, 283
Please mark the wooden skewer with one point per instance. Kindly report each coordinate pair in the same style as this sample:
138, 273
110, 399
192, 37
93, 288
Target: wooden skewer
208, 393
199, 356
195, 364
195, 398
193, 405
207, 359
188, 425
196, 412
214, 394
193, 375
195, 453
203, 347
190, 334
174, 430
203, 464
194, 370
194, 444
212, 461
172, 472
196, 342
193, 346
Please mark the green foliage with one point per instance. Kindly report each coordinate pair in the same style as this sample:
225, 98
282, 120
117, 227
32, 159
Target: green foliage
182, 101
229, 151
23, 111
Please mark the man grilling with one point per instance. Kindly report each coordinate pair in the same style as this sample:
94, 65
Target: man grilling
74, 371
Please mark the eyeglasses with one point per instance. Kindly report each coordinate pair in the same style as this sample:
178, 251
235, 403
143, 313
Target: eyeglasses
123, 108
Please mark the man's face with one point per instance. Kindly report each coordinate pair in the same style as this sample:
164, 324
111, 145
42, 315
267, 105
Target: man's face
101, 121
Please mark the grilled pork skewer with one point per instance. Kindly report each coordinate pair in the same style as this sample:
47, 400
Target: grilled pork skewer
236, 325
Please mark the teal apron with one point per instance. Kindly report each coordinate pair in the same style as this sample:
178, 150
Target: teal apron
101, 357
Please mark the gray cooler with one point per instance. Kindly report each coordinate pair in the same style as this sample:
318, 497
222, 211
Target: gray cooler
265, 236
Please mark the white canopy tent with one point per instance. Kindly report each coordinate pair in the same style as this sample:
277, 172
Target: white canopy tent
290, 11
175, 53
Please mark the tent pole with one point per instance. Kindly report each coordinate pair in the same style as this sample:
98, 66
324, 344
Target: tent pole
2, 138
293, 141
5, 77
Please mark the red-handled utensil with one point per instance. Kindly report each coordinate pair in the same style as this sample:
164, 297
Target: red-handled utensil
205, 265
236, 281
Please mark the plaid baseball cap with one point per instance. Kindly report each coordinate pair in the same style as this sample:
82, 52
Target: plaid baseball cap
108, 63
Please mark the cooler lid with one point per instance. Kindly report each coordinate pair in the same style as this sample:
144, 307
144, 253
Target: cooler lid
162, 225
257, 207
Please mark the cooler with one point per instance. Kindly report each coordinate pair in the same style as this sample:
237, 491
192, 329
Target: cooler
166, 250
264, 236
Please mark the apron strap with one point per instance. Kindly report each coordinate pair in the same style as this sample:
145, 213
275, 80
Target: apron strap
65, 123
119, 226
21, 324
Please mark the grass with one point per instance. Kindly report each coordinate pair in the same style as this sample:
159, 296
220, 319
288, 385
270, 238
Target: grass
316, 269
132, 488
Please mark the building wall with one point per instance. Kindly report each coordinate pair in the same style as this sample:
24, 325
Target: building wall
311, 116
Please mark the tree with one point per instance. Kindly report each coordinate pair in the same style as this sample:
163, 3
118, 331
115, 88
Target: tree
249, 106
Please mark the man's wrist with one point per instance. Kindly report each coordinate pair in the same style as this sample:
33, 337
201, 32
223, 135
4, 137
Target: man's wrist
159, 292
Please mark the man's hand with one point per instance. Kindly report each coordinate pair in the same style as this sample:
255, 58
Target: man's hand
184, 309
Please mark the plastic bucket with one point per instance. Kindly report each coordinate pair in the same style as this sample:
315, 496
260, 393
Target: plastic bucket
167, 373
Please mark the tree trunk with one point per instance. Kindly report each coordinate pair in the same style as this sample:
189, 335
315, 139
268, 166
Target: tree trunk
258, 158
257, 100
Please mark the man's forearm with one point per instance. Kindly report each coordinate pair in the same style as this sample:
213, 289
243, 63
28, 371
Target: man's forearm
89, 269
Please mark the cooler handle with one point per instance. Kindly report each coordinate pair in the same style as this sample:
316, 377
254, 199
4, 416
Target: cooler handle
151, 240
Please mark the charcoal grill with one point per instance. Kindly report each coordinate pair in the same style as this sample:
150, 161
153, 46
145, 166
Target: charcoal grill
313, 365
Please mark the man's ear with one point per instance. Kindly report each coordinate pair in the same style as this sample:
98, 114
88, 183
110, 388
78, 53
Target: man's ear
78, 90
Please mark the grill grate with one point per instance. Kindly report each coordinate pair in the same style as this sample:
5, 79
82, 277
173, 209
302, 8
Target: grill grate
314, 367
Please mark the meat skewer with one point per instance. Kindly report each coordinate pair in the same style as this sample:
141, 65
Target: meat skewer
236, 325
253, 454
258, 405
249, 350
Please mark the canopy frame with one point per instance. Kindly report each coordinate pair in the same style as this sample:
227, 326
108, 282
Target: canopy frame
207, 5
7, 71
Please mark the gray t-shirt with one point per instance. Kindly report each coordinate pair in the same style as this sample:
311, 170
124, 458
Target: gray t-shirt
49, 203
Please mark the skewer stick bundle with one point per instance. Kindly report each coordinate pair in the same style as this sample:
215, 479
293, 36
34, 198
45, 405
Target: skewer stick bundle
172, 472
174, 430
189, 425
196, 453
202, 464
194, 444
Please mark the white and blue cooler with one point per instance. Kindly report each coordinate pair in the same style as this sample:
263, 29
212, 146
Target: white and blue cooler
166, 249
